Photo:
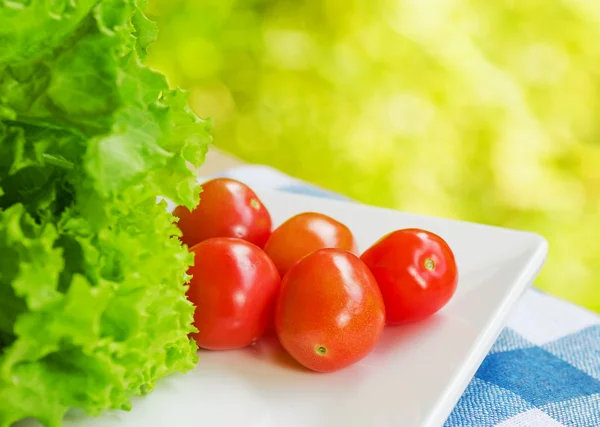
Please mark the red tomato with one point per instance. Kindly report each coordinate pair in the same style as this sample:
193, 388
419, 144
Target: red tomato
329, 312
416, 272
234, 285
303, 234
227, 208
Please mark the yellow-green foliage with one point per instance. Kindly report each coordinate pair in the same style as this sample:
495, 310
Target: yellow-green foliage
481, 110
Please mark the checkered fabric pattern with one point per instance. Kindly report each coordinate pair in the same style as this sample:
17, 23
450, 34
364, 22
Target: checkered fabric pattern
543, 370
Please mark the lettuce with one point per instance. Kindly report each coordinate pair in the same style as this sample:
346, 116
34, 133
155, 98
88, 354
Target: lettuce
92, 276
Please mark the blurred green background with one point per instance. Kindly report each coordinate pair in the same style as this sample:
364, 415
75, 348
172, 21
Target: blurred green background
478, 110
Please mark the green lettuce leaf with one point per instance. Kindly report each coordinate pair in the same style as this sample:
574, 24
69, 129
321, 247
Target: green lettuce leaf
92, 278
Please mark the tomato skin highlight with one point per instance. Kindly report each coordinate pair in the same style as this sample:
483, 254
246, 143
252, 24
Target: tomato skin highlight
227, 208
329, 313
234, 286
305, 233
416, 272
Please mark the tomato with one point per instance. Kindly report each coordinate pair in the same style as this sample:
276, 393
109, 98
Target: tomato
234, 285
227, 208
329, 312
416, 272
305, 233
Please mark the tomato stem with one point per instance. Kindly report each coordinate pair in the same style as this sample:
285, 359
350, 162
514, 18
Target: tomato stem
429, 264
321, 350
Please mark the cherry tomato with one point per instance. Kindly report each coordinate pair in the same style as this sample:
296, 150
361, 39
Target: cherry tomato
227, 208
234, 285
329, 312
416, 272
303, 234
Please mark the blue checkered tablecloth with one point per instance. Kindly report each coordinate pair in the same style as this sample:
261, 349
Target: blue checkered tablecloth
543, 370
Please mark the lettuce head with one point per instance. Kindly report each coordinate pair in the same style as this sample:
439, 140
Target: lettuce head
92, 276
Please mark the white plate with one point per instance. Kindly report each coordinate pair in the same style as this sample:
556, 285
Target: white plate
415, 375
